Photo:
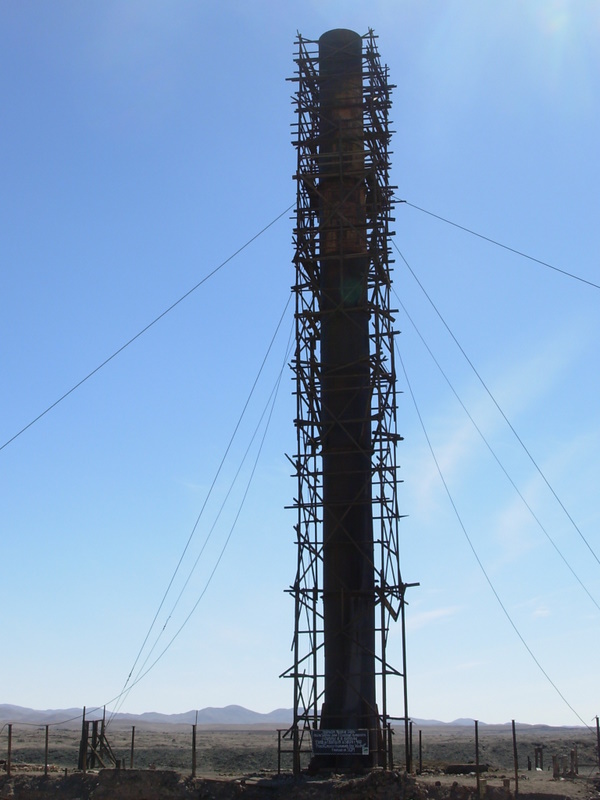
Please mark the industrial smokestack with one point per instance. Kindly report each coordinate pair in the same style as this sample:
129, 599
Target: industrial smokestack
348, 569
348, 585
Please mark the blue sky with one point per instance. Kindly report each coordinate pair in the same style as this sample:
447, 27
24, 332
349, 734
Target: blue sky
143, 144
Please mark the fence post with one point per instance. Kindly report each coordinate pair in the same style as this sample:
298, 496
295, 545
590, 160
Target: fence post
194, 751
83, 744
420, 753
46, 752
9, 756
132, 745
478, 778
515, 758
278, 752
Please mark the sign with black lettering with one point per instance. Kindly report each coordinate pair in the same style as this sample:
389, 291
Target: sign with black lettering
340, 743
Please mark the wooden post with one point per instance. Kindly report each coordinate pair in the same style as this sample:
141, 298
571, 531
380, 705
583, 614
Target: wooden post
46, 752
103, 736
477, 758
555, 769
296, 750
598, 740
94, 744
539, 756
83, 744
9, 756
515, 758
86, 745
194, 751
132, 745
278, 751
420, 753
390, 758
411, 745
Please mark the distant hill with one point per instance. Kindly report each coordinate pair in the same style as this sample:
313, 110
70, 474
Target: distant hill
461, 722
32, 716
230, 715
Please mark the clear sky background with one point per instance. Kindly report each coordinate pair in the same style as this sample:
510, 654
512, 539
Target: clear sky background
143, 143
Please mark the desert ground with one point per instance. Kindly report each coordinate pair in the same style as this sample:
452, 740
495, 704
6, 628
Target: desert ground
231, 760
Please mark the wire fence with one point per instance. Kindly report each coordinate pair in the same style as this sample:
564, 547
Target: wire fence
474, 749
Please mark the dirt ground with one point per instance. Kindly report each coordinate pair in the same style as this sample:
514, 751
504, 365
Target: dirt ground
231, 761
